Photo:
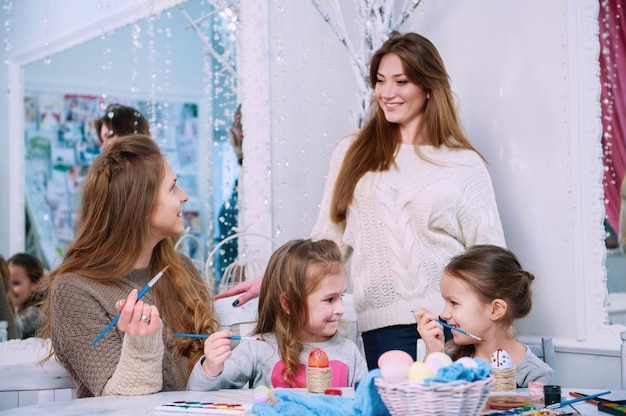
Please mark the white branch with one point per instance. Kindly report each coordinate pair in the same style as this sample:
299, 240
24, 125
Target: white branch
221, 59
342, 36
378, 20
407, 10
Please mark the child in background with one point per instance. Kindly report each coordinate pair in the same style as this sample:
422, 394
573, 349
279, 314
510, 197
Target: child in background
26, 272
485, 290
118, 121
300, 308
6, 306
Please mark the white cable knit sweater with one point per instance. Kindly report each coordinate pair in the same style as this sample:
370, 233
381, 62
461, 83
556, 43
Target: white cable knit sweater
405, 224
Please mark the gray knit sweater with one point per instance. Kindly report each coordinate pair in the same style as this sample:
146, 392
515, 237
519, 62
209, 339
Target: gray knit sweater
258, 363
126, 365
532, 368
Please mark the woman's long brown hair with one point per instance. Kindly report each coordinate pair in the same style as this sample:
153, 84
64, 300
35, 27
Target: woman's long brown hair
117, 197
376, 144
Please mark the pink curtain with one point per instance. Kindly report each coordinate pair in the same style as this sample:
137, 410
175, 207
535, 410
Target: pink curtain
613, 102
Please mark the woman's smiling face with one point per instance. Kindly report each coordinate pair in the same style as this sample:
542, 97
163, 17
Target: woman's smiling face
401, 100
166, 218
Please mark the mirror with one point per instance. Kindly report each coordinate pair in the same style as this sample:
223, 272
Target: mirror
177, 67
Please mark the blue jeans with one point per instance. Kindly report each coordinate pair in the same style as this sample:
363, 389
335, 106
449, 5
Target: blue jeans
397, 337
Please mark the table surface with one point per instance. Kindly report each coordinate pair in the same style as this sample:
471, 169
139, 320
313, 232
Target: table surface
129, 405
582, 407
145, 405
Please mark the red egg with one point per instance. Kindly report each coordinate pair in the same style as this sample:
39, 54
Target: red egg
318, 358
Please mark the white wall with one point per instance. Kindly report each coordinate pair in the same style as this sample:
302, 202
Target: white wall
511, 67
524, 101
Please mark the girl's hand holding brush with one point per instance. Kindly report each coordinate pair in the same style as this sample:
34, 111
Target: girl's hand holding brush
430, 330
217, 349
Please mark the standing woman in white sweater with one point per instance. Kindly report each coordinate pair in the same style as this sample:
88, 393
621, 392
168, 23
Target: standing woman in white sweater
404, 195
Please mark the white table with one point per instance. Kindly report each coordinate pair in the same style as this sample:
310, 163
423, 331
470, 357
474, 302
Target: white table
128, 405
144, 405
138, 405
583, 408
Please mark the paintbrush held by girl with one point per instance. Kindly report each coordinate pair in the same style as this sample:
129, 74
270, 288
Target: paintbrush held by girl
300, 310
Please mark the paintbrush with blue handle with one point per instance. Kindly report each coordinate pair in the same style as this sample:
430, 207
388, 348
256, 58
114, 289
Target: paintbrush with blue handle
142, 292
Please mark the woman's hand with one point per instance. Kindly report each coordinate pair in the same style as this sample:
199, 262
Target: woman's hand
217, 349
430, 330
249, 289
137, 318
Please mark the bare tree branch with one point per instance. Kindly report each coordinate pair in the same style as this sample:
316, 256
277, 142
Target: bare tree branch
377, 19
222, 59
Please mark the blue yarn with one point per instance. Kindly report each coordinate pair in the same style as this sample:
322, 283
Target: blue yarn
293, 403
366, 402
456, 371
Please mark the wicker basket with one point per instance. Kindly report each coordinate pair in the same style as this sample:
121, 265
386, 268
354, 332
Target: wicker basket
408, 397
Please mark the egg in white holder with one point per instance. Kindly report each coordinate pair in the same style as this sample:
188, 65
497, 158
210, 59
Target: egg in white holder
503, 371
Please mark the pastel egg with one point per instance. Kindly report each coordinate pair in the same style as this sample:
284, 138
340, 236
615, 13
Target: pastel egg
467, 362
394, 355
437, 360
260, 397
261, 387
441, 356
501, 360
261, 394
395, 369
419, 371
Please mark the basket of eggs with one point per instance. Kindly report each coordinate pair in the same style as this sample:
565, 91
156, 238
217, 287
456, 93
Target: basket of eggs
436, 386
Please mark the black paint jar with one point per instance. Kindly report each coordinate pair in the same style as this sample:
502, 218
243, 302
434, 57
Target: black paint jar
551, 395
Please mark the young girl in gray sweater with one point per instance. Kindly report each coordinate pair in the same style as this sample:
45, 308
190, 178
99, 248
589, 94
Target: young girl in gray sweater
485, 290
300, 308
